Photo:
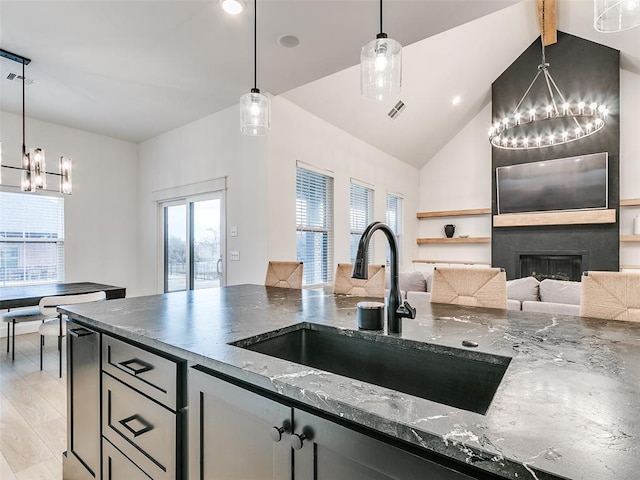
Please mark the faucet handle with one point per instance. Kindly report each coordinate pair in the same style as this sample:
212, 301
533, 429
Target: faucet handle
406, 310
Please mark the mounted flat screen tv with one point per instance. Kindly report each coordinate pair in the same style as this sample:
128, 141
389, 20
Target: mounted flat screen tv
573, 183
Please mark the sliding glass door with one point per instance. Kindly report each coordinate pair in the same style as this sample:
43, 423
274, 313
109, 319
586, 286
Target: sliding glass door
194, 243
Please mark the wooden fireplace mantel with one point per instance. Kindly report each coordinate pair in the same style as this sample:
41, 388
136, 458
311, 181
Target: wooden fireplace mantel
581, 217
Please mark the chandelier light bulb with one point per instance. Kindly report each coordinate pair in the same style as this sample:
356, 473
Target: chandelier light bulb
565, 108
517, 118
381, 61
532, 114
581, 108
525, 142
593, 107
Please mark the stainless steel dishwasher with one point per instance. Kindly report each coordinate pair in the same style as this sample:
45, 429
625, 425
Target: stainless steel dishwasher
82, 459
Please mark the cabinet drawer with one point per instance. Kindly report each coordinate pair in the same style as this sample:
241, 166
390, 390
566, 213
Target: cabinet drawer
140, 428
116, 466
147, 372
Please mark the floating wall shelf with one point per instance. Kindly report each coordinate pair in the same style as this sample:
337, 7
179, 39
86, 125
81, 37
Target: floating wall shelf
630, 202
454, 213
423, 241
555, 218
630, 238
452, 262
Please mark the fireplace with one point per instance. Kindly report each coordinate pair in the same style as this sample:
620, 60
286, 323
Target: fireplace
556, 265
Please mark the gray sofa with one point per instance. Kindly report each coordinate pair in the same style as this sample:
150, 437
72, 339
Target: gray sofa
526, 294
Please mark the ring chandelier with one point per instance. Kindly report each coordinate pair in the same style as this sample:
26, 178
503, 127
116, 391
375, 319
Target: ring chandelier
545, 124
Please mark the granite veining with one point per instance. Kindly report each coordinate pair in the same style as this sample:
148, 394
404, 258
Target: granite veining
568, 405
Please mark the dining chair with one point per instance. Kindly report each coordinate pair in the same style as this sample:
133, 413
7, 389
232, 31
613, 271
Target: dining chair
284, 274
610, 295
21, 315
55, 326
478, 287
372, 287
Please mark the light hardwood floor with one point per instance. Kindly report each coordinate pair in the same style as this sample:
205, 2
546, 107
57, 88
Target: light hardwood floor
32, 411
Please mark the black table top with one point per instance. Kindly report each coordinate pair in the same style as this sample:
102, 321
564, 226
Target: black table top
30, 295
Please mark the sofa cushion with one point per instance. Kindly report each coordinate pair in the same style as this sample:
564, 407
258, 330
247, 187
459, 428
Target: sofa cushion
550, 307
560, 291
523, 289
513, 304
417, 297
411, 281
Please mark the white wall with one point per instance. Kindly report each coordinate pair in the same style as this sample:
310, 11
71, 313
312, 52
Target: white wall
298, 135
261, 185
207, 149
101, 221
629, 161
459, 177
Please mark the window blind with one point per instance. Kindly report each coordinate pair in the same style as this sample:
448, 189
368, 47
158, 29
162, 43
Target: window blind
314, 225
31, 239
360, 215
394, 220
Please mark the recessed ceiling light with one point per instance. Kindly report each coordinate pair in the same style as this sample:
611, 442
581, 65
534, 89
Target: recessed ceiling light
456, 100
288, 41
232, 7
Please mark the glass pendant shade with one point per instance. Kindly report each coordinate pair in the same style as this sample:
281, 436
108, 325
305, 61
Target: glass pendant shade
255, 113
616, 15
381, 68
65, 175
38, 167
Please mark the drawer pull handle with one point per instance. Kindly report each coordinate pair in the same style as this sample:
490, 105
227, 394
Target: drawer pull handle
80, 332
136, 366
142, 427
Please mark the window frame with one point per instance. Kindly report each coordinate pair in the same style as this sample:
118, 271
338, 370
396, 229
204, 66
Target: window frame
399, 230
9, 236
326, 259
366, 193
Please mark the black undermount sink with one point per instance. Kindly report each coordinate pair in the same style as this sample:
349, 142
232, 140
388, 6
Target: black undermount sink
459, 378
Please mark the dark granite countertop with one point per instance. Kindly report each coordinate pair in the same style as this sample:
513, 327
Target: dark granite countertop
568, 405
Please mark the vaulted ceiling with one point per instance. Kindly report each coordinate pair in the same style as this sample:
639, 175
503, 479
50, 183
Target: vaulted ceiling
136, 69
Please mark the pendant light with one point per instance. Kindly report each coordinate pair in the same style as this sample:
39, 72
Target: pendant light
33, 163
616, 15
255, 108
550, 121
381, 66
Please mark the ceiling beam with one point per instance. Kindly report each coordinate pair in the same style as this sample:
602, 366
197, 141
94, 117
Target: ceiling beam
548, 27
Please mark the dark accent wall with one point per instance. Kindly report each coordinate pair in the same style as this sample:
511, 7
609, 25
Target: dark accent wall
592, 72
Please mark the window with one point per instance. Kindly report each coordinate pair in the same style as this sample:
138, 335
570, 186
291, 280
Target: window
394, 220
31, 238
314, 225
360, 215
193, 243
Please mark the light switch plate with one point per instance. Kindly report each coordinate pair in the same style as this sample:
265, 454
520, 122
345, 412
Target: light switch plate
235, 256
234, 231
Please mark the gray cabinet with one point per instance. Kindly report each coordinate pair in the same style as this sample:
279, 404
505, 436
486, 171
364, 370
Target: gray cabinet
235, 433
327, 451
230, 432
81, 461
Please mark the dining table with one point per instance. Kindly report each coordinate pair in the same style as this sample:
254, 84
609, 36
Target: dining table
30, 295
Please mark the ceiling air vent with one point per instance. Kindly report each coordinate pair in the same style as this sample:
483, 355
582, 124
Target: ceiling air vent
18, 78
397, 109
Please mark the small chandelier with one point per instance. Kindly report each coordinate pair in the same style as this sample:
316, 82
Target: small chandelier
381, 66
255, 108
554, 122
33, 167
615, 15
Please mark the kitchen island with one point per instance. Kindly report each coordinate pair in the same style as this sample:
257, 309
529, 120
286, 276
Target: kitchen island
567, 406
